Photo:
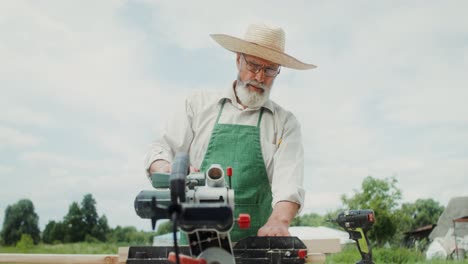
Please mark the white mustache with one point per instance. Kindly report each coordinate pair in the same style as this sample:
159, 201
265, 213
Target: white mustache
255, 83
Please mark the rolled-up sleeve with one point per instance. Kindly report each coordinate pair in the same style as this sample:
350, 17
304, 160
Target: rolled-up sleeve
177, 137
288, 172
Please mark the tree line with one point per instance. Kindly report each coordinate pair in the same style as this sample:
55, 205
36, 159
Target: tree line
393, 218
81, 224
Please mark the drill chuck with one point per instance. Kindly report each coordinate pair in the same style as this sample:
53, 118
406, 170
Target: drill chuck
356, 219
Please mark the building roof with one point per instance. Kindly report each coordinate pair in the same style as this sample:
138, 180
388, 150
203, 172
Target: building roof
421, 229
321, 232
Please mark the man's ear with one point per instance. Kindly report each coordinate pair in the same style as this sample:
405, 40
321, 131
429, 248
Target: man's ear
238, 61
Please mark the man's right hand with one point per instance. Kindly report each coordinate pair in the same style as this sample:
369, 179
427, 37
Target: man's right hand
164, 166
160, 166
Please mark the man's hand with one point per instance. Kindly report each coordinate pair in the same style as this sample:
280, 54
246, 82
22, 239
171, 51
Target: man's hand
164, 166
281, 217
161, 166
274, 227
193, 169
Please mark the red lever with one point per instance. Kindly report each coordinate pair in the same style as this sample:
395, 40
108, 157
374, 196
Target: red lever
184, 259
371, 218
302, 253
243, 221
229, 171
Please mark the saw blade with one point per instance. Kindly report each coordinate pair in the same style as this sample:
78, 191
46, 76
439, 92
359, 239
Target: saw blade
216, 255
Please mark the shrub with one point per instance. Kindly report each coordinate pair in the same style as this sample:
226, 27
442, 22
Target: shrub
20, 218
91, 239
26, 242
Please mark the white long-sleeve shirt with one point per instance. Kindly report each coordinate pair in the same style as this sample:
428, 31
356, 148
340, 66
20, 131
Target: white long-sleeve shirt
280, 134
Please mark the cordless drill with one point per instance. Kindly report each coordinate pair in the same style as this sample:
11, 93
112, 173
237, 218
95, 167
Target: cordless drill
357, 223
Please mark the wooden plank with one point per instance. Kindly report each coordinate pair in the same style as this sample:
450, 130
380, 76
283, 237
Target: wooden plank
59, 258
121, 258
123, 255
325, 245
316, 258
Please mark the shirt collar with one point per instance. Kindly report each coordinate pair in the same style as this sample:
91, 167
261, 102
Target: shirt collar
230, 95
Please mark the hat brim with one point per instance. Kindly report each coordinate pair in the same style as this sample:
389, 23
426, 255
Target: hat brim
239, 45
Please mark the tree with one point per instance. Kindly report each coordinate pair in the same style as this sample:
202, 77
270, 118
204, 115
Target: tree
131, 235
164, 228
101, 230
81, 223
96, 226
312, 219
90, 216
20, 218
54, 232
421, 213
382, 196
47, 233
75, 224
122, 234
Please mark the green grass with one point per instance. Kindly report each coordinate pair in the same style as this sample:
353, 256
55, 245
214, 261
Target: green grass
72, 248
350, 254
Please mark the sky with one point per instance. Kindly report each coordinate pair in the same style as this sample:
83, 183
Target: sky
86, 86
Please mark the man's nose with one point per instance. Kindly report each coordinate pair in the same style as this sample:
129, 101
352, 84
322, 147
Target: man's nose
260, 75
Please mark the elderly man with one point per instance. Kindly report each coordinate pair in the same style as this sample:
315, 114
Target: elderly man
242, 128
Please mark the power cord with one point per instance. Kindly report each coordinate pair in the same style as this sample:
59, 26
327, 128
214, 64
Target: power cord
174, 231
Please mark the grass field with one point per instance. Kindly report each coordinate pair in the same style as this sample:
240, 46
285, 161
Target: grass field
72, 248
350, 254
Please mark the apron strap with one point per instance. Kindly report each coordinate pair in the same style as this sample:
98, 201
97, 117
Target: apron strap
220, 110
260, 117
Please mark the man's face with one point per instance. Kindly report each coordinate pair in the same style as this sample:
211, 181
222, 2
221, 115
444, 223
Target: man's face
255, 79
248, 65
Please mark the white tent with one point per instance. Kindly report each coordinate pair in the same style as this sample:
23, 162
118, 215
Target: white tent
448, 234
321, 232
456, 208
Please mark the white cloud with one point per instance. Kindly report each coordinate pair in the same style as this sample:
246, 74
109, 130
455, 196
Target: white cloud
11, 137
321, 202
4, 170
22, 115
82, 64
35, 158
438, 102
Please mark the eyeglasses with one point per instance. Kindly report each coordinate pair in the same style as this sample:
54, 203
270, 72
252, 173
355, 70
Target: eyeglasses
255, 68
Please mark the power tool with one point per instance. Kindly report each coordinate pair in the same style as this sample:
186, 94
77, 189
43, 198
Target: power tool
357, 223
202, 205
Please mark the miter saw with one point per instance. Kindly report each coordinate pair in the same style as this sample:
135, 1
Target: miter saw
201, 204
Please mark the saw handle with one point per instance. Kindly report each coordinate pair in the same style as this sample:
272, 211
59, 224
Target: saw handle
184, 259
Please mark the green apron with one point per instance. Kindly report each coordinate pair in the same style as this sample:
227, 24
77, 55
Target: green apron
239, 147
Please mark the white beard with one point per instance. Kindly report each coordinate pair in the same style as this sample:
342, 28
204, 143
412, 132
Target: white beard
249, 98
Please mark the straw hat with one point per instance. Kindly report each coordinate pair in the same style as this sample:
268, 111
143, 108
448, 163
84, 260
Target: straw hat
262, 41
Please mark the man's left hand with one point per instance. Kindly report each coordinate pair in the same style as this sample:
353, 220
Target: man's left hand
274, 228
281, 217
